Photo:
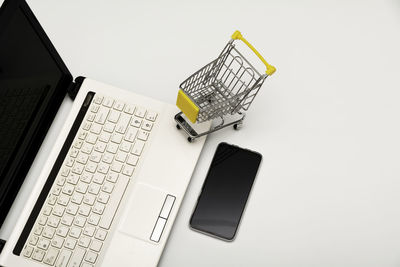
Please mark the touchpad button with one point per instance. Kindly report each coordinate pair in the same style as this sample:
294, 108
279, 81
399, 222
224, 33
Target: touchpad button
143, 210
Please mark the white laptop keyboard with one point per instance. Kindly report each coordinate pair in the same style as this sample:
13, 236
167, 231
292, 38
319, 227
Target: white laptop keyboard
73, 223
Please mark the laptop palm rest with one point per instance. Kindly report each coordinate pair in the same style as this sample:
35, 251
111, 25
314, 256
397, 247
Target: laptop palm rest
143, 210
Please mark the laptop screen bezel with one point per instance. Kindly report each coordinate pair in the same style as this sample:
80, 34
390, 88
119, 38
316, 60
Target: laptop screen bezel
13, 176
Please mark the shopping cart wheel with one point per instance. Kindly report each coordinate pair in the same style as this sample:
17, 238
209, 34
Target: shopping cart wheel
237, 126
190, 139
178, 127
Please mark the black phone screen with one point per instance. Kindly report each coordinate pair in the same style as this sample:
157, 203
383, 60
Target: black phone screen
225, 191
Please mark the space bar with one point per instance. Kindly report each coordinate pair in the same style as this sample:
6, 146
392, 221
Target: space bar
113, 204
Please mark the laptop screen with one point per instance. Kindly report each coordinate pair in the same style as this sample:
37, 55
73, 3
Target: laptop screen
28, 73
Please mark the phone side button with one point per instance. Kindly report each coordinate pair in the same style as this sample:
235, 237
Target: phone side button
158, 229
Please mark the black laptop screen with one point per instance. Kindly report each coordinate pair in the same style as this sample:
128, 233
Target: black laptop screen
28, 74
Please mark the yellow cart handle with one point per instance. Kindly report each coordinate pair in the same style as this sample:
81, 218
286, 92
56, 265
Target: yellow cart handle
237, 35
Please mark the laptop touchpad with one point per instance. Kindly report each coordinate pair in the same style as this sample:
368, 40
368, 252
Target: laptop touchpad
143, 209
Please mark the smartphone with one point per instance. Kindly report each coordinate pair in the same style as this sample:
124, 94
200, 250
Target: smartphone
225, 191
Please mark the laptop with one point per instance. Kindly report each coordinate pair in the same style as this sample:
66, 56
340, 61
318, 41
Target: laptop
112, 185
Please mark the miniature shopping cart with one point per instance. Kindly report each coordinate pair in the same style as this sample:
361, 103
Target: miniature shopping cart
222, 90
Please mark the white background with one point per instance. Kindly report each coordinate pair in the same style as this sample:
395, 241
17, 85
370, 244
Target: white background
327, 123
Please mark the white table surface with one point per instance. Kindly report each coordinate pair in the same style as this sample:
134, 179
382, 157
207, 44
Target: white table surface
327, 123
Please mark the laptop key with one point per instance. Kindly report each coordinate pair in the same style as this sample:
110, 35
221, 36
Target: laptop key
48, 232
28, 251
42, 220
102, 115
128, 170
51, 256
63, 259
103, 197
62, 231
123, 123
100, 234
38, 254
91, 257
67, 220
53, 221
57, 242
43, 243
84, 241
114, 116
89, 230
33, 240
143, 135
75, 232
94, 219
77, 257
137, 148
147, 126
91, 117
136, 122
96, 245
70, 243
38, 230
140, 112
119, 105
108, 102
132, 160
95, 108
151, 116
98, 100
109, 128
131, 134
129, 109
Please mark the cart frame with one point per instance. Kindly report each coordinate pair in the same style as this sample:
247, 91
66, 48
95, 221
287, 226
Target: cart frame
223, 89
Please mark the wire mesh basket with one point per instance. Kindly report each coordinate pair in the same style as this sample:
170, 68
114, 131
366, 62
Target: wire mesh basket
224, 89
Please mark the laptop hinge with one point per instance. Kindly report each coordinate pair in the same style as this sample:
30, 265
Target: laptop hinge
2, 244
75, 86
